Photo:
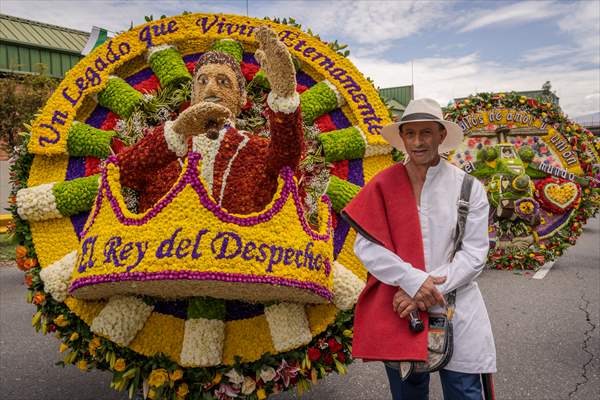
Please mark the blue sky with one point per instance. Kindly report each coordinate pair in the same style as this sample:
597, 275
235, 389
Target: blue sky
455, 48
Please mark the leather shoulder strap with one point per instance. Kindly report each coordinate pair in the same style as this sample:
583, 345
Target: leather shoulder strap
463, 212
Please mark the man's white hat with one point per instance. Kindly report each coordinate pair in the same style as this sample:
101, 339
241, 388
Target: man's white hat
419, 111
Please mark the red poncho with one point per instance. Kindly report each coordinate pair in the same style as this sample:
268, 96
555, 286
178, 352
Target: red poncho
385, 211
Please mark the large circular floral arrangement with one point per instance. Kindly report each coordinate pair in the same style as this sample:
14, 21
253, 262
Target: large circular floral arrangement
541, 171
109, 101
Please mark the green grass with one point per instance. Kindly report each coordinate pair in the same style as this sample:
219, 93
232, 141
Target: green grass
7, 248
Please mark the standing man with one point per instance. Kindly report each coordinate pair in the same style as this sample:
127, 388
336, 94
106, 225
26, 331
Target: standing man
406, 219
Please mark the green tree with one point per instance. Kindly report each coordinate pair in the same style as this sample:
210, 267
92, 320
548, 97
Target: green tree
22, 96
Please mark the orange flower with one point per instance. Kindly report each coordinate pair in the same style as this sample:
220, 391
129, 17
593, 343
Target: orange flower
39, 298
28, 280
30, 263
176, 375
217, 378
120, 365
21, 251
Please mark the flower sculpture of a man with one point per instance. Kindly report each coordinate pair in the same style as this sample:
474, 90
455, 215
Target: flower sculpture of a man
239, 168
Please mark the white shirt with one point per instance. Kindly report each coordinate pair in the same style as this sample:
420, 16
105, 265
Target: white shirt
474, 349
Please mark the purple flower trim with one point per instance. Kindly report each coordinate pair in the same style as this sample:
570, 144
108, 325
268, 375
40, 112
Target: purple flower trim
355, 172
304, 79
355, 175
140, 76
236, 310
327, 267
96, 119
97, 203
75, 168
339, 119
534, 212
288, 176
544, 230
191, 178
167, 275
248, 58
192, 58
177, 308
339, 235
78, 221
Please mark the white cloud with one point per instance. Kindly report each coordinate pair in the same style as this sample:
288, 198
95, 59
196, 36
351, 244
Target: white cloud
447, 78
365, 22
510, 14
552, 53
583, 24
375, 28
113, 15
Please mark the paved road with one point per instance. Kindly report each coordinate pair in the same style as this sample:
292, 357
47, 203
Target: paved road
547, 338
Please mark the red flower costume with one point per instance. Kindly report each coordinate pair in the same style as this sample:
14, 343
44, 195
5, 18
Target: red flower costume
244, 169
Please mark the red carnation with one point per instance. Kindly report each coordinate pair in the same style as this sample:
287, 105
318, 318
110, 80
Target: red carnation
248, 105
313, 354
325, 123
301, 88
334, 346
328, 359
341, 357
532, 102
249, 70
117, 145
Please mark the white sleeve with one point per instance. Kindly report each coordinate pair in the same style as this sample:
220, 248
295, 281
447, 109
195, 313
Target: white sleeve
175, 141
469, 261
387, 267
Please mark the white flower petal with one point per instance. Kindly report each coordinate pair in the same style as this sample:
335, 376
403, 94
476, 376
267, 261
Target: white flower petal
202, 342
56, 276
288, 325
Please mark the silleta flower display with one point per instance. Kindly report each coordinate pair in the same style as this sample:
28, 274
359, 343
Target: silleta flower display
100, 262
540, 170
161, 283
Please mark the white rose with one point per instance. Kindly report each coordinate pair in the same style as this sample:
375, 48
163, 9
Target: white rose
248, 386
267, 374
235, 377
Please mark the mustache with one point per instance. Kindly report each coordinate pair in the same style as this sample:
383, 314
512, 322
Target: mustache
212, 99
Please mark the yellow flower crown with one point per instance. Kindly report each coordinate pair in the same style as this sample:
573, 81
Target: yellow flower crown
188, 246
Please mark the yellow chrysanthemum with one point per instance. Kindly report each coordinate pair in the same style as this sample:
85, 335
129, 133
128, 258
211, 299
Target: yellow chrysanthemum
182, 390
82, 365
61, 321
158, 377
120, 365
261, 394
